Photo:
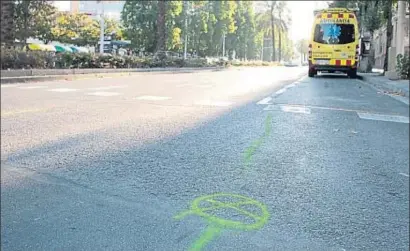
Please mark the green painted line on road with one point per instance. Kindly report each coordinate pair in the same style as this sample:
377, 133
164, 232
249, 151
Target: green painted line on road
207, 206
250, 151
210, 233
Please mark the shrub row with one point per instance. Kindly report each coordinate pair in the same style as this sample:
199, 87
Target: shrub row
14, 59
403, 66
17, 59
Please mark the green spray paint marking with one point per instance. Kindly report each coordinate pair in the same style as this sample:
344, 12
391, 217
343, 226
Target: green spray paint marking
250, 151
210, 233
216, 224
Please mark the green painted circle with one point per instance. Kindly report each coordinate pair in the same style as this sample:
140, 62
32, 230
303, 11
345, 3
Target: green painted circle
260, 220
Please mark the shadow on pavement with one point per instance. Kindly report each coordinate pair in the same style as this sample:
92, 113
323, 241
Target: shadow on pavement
124, 197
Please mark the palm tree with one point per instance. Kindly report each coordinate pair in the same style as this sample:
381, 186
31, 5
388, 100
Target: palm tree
268, 23
282, 23
272, 24
7, 21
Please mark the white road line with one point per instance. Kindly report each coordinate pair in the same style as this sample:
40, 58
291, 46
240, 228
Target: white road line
265, 101
152, 98
382, 117
301, 79
280, 91
108, 87
63, 90
32, 87
294, 109
104, 94
404, 174
213, 103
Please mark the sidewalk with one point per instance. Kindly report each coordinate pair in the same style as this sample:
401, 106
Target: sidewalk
397, 87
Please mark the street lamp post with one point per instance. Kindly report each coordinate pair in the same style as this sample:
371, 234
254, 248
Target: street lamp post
186, 29
102, 28
401, 23
223, 45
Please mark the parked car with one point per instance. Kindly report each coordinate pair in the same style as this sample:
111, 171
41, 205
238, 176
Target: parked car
292, 63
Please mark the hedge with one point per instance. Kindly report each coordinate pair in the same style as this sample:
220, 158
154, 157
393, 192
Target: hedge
403, 66
17, 59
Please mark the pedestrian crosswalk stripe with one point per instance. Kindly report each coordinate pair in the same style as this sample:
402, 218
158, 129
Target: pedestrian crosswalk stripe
32, 87
8, 85
63, 90
152, 98
104, 94
108, 87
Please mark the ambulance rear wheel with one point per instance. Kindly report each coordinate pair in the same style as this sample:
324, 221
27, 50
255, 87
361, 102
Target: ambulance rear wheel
312, 73
352, 73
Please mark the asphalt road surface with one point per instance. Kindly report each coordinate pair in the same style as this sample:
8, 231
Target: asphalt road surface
238, 159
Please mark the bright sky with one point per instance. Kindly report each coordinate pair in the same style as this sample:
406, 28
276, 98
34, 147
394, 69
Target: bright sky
302, 17
63, 5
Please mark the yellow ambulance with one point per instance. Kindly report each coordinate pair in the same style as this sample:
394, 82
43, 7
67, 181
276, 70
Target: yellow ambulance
334, 44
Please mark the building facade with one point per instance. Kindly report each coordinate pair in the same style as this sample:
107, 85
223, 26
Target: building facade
380, 39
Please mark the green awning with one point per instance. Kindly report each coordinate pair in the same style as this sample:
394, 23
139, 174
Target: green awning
62, 48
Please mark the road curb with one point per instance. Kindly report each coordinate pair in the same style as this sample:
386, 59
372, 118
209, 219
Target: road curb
100, 73
383, 86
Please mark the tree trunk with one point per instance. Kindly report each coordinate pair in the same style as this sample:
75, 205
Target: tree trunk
26, 16
280, 45
7, 22
370, 60
161, 29
388, 35
280, 38
272, 23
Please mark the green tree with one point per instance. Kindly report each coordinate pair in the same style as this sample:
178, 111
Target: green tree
43, 22
199, 24
161, 26
140, 26
33, 18
173, 23
302, 48
152, 25
113, 26
7, 21
76, 28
